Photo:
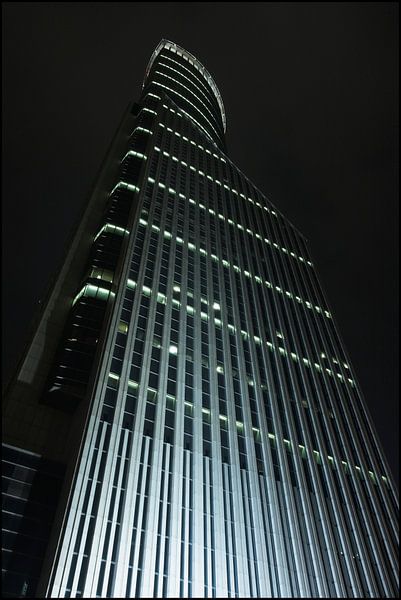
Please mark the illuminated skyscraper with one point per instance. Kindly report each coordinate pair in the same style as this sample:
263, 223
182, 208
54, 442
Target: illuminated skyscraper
187, 389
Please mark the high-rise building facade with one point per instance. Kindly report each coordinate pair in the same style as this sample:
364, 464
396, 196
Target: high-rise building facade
185, 421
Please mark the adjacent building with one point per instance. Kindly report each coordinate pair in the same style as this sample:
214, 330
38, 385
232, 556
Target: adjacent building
185, 421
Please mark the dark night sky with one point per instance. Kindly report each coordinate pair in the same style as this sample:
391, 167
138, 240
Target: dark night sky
311, 97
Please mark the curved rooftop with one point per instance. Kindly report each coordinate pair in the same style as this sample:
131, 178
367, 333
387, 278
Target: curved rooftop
168, 45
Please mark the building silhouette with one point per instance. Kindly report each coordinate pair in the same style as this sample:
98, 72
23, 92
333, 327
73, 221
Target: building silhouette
185, 421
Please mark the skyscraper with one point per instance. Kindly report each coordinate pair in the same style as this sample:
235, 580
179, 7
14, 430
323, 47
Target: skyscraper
185, 422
